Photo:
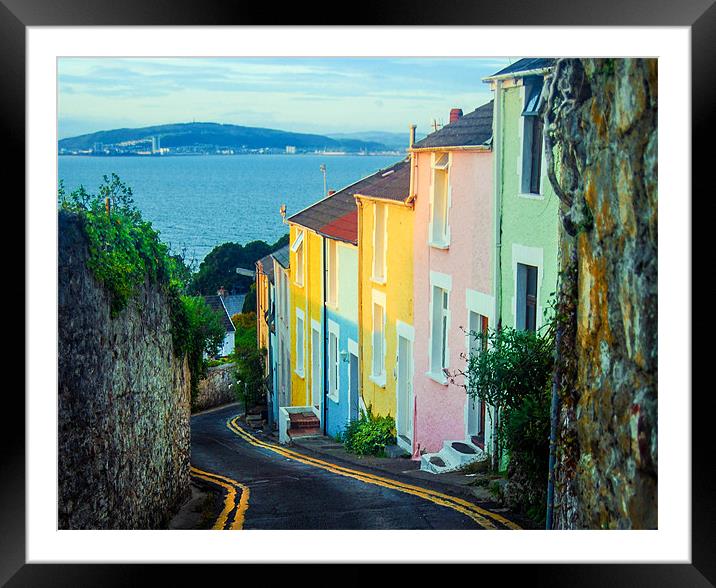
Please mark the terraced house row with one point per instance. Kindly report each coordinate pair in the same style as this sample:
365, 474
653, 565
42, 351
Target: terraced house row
372, 301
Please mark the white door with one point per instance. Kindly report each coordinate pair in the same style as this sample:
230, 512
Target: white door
405, 393
475, 408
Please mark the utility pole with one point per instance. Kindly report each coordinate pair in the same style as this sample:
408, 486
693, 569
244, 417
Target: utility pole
325, 185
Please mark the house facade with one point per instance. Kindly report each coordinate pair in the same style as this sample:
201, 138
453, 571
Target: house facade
453, 282
528, 209
280, 344
306, 317
385, 290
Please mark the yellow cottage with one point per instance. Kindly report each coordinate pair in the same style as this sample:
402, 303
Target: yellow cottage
385, 283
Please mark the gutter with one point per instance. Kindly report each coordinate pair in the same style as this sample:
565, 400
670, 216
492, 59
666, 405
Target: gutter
451, 148
519, 74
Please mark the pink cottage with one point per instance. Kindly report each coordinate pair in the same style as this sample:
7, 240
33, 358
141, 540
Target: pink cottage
453, 284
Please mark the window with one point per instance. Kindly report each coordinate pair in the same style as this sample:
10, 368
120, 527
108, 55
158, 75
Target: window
333, 359
379, 235
532, 136
297, 248
378, 341
440, 323
299, 342
332, 270
526, 318
439, 231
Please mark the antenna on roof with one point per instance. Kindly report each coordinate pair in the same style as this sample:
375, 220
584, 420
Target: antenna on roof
282, 210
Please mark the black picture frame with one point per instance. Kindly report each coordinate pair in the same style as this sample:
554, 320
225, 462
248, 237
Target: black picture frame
16, 15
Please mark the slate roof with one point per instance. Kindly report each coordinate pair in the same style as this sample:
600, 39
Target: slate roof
526, 64
336, 216
234, 303
267, 266
473, 128
282, 256
215, 303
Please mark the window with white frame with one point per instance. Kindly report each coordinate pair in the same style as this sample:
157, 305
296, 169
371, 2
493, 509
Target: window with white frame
297, 248
532, 136
332, 272
378, 340
299, 342
439, 228
379, 240
439, 336
333, 361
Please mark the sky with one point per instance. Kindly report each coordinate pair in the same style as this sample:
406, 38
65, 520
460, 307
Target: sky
317, 95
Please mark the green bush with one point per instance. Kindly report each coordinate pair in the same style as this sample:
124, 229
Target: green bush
526, 436
369, 435
249, 374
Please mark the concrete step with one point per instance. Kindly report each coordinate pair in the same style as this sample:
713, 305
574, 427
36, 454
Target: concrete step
452, 456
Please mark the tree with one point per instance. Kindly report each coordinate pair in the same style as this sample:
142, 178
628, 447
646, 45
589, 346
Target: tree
219, 266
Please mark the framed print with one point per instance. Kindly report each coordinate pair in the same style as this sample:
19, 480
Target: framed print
354, 290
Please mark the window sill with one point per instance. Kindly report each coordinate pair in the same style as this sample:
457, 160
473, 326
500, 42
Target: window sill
299, 374
333, 398
378, 380
332, 305
439, 378
530, 196
379, 281
439, 245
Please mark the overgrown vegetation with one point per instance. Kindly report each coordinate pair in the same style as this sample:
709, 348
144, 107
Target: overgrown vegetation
202, 337
249, 360
369, 434
125, 251
511, 375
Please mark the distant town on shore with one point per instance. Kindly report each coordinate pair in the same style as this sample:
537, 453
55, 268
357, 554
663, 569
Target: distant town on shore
225, 139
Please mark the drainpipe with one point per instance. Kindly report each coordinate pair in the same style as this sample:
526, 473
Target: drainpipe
497, 224
554, 413
324, 395
359, 204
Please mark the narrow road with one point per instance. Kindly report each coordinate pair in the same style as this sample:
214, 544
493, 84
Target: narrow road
269, 486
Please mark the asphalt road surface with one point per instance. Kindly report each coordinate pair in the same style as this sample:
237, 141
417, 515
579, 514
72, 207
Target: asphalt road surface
268, 486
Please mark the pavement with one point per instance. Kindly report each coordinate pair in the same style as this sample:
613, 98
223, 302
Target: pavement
316, 484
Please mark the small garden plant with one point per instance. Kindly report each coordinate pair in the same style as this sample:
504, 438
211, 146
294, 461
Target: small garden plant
369, 434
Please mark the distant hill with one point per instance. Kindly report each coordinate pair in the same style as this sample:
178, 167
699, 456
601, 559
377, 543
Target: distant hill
187, 135
398, 141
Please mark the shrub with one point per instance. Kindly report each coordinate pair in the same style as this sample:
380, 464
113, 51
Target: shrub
249, 374
369, 435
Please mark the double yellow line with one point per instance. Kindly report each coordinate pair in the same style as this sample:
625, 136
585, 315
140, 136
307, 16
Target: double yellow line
232, 487
481, 516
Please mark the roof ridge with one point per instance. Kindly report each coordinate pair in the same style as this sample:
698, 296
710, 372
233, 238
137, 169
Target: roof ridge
337, 192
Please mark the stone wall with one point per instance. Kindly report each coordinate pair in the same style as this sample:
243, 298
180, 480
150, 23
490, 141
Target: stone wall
123, 402
604, 116
217, 388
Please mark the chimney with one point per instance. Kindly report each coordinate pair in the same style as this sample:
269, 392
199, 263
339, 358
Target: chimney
412, 136
455, 114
